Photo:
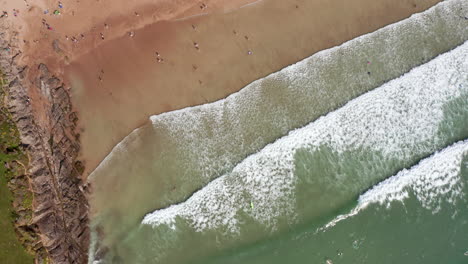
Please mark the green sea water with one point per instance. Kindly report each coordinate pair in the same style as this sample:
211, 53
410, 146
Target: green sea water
254, 178
426, 225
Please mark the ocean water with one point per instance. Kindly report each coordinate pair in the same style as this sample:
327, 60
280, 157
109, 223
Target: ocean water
233, 178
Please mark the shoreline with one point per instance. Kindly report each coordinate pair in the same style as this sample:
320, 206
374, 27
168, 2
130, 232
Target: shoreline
217, 54
199, 48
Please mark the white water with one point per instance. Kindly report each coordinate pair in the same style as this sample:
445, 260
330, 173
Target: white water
433, 181
435, 178
400, 119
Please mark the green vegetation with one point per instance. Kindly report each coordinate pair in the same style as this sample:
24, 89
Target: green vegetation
12, 161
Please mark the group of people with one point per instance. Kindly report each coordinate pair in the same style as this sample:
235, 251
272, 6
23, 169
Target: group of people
44, 22
203, 6
5, 13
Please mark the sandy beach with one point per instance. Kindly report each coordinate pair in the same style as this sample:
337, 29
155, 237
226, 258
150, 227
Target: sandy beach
124, 60
85, 73
217, 54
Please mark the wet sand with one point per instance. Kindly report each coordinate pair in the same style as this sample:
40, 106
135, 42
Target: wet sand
119, 84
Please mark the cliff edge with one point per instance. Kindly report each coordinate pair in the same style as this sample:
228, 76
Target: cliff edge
40, 106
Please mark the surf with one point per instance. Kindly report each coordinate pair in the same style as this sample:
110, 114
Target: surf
319, 168
414, 212
180, 152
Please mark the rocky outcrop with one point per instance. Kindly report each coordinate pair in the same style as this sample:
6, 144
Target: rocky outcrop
50, 138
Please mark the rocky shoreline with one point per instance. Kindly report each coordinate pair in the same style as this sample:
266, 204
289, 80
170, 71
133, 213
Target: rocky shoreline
50, 139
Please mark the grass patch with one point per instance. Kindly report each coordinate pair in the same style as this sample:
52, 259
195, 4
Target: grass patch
12, 174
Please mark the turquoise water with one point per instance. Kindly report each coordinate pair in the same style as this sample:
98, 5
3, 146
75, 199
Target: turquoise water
249, 178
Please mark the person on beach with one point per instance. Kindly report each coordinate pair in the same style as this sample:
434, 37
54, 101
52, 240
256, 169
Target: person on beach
158, 57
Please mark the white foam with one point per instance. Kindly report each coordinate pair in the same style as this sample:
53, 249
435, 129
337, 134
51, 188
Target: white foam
399, 119
433, 181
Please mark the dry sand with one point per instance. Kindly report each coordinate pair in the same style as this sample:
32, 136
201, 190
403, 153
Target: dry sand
117, 83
